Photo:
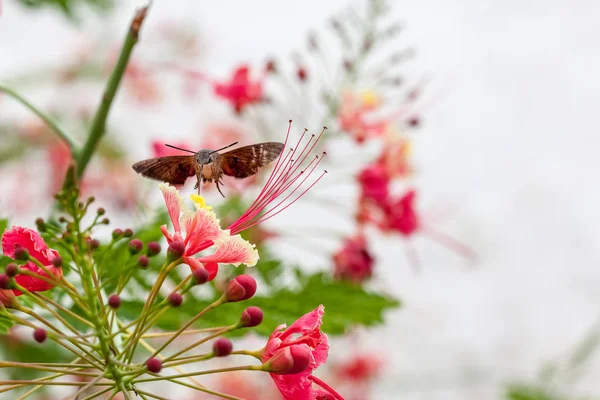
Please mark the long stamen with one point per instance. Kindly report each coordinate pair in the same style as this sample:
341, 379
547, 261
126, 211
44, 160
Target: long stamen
288, 176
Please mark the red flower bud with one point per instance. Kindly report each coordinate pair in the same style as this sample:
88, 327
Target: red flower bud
154, 365
301, 72
40, 335
289, 360
222, 347
176, 250
57, 261
175, 299
143, 262
153, 249
128, 233
101, 211
41, 225
200, 275
414, 122
94, 244
241, 288
117, 233
4, 281
21, 253
12, 270
251, 316
114, 301
135, 246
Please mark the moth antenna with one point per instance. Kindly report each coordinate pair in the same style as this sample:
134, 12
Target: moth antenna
179, 148
223, 148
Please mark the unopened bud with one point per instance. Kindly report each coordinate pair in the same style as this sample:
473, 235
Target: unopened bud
154, 365
117, 233
114, 301
251, 316
176, 250
135, 246
271, 68
222, 347
94, 244
143, 262
200, 275
21, 253
414, 122
12, 270
175, 299
301, 73
57, 261
105, 221
41, 225
40, 335
241, 288
153, 249
128, 233
101, 211
289, 360
4, 281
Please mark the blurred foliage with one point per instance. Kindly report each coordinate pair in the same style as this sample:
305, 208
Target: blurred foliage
69, 7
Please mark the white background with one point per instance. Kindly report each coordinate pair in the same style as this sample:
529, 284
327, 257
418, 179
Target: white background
513, 142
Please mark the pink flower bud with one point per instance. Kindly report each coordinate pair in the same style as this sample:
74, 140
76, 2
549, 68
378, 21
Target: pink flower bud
175, 299
4, 281
200, 275
94, 244
12, 270
153, 249
241, 288
176, 250
114, 301
21, 253
154, 365
57, 261
117, 233
101, 211
135, 246
128, 233
222, 347
40, 335
143, 262
251, 316
289, 360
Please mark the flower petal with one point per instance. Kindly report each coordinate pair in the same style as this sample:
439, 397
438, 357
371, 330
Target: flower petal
174, 202
233, 250
201, 228
6, 297
296, 386
29, 239
210, 267
308, 322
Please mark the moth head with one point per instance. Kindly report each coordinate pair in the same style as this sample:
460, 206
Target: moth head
206, 156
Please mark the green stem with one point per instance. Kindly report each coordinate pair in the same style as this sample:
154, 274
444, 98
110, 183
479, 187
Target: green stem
206, 372
69, 141
99, 123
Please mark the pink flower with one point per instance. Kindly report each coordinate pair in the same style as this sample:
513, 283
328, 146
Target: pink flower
394, 158
360, 368
240, 91
199, 230
59, 156
354, 116
31, 241
160, 150
374, 184
305, 331
353, 262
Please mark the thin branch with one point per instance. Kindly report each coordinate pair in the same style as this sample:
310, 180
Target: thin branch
97, 129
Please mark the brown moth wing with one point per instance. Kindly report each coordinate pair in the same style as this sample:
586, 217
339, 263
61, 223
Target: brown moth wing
172, 169
245, 161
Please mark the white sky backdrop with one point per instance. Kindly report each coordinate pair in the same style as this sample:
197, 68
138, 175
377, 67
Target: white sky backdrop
514, 142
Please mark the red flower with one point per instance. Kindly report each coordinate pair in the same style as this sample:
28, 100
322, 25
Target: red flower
374, 184
359, 369
160, 150
31, 241
353, 262
240, 91
305, 331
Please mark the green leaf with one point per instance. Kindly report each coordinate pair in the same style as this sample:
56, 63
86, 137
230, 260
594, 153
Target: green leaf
345, 306
525, 392
3, 225
5, 322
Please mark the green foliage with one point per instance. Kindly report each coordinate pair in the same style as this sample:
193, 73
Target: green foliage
523, 392
5, 322
69, 7
346, 305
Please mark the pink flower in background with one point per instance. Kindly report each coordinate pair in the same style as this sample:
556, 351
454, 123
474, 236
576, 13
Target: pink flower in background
354, 116
353, 262
59, 156
139, 82
199, 229
400, 214
394, 158
18, 237
305, 331
240, 91
160, 150
374, 184
357, 373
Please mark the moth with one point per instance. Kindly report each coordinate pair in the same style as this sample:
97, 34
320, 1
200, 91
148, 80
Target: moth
209, 165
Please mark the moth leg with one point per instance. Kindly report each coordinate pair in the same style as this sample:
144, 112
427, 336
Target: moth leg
218, 187
199, 182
